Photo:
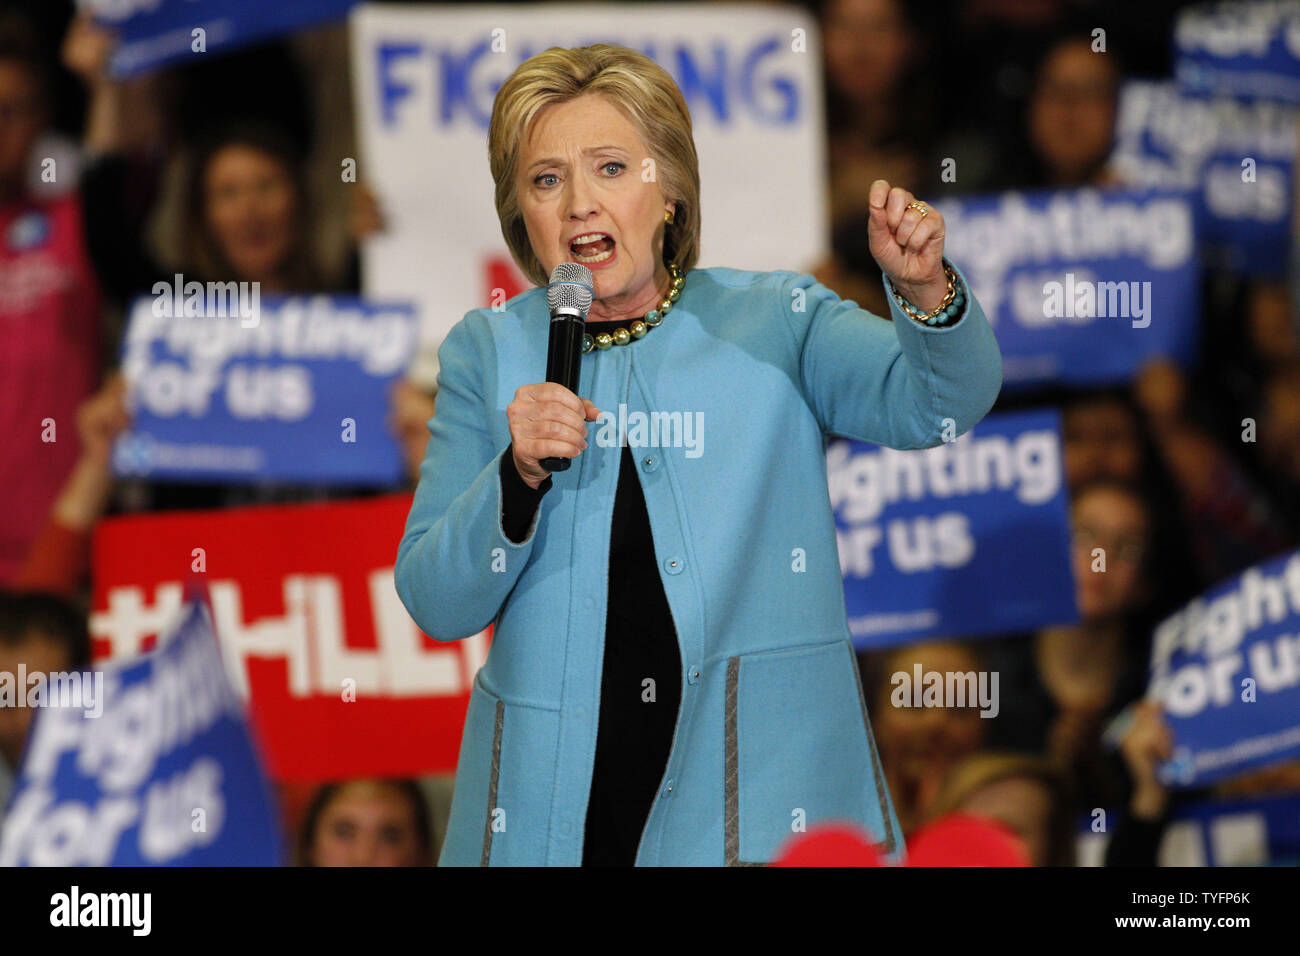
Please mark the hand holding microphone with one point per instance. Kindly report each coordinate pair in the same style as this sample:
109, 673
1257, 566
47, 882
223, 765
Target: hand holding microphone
548, 421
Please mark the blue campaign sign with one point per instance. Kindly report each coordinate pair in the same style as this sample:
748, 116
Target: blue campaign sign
1082, 286
153, 33
967, 539
1253, 832
291, 389
1243, 50
1238, 159
1226, 669
152, 766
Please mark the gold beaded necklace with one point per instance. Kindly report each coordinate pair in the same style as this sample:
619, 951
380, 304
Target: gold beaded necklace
638, 329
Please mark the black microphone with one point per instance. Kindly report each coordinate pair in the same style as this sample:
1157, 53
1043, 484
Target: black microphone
569, 296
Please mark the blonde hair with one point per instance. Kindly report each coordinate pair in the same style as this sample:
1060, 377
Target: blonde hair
985, 767
638, 86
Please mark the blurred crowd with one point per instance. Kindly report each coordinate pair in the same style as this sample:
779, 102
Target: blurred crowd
1158, 472
227, 169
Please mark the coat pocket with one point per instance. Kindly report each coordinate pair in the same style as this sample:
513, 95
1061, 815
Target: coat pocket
799, 750
505, 780
478, 771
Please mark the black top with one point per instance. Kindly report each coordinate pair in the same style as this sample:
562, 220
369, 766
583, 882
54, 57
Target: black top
637, 718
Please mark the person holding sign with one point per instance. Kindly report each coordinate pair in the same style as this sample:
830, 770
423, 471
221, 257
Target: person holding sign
671, 680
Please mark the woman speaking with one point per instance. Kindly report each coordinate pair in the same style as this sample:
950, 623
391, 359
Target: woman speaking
671, 679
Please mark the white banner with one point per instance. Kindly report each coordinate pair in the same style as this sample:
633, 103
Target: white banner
424, 80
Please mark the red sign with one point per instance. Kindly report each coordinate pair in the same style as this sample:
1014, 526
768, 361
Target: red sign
340, 681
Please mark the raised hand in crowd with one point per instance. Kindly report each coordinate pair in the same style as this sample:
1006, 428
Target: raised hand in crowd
58, 558
1147, 744
120, 115
100, 419
410, 409
87, 47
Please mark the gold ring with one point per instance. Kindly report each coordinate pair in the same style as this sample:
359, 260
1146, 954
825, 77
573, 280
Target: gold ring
920, 207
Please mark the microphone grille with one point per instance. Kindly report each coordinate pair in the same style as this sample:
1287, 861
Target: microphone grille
571, 287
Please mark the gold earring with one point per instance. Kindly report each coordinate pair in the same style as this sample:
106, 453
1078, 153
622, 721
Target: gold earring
668, 216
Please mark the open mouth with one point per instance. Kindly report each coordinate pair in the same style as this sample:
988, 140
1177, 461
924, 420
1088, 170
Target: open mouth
592, 247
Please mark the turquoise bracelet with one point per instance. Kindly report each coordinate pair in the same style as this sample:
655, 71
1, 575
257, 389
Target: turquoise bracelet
954, 301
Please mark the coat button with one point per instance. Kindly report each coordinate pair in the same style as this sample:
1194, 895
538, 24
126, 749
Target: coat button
668, 787
674, 565
650, 464
693, 675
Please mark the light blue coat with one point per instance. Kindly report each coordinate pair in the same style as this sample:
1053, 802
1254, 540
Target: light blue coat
773, 728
